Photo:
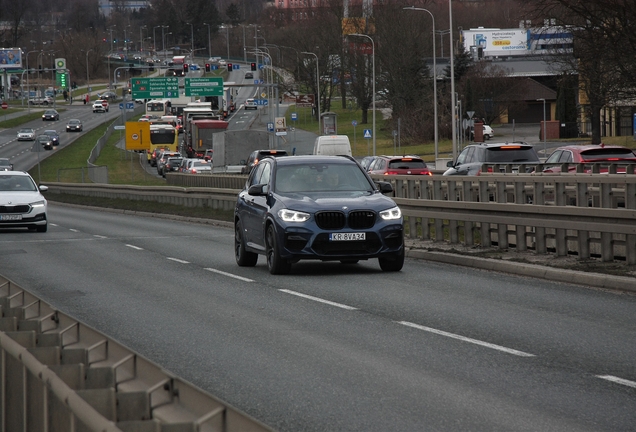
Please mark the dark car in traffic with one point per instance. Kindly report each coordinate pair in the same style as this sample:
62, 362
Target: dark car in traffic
398, 165
55, 137
74, 125
45, 141
507, 155
316, 208
257, 155
50, 114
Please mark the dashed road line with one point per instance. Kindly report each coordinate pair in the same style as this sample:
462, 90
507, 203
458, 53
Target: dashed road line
318, 299
178, 260
244, 279
134, 247
617, 380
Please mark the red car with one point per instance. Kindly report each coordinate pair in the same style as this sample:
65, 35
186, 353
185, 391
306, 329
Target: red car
398, 165
588, 154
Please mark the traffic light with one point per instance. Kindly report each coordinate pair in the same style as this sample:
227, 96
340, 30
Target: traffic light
207, 67
185, 68
229, 67
253, 65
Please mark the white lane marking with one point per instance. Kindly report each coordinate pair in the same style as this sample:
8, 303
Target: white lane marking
466, 339
134, 247
229, 274
74, 230
340, 305
617, 380
99, 236
178, 260
52, 224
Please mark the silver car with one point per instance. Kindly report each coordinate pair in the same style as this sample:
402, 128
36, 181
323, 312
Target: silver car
5, 165
21, 203
26, 134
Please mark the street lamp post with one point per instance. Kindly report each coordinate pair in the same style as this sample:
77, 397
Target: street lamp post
209, 43
163, 41
434, 80
88, 87
373, 85
111, 51
545, 150
191, 41
29, 73
452, 72
154, 43
317, 88
141, 40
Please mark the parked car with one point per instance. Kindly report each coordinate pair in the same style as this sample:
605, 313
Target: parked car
471, 159
100, 105
50, 114
46, 100
293, 208
45, 141
74, 125
582, 154
26, 134
5, 164
258, 155
399, 165
28, 206
488, 132
173, 164
55, 137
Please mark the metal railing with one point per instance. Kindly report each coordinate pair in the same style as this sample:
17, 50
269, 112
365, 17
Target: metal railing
57, 374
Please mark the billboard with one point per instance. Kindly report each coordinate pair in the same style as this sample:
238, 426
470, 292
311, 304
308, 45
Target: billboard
10, 58
498, 42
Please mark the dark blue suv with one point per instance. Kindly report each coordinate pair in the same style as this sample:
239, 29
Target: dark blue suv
316, 207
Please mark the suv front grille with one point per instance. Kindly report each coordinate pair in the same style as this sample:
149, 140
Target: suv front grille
23, 208
330, 220
361, 219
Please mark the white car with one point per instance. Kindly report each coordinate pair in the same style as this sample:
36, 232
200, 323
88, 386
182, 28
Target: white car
28, 206
26, 134
100, 106
222, 62
488, 133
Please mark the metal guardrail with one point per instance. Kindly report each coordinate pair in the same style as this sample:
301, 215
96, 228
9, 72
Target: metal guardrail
584, 214
58, 374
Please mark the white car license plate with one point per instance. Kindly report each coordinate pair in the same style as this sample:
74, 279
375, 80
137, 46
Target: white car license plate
10, 217
346, 236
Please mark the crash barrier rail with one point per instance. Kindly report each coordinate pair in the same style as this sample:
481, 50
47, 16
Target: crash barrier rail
226, 181
83, 174
58, 374
583, 214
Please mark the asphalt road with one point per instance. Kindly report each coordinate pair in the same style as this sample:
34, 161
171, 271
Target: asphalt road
340, 347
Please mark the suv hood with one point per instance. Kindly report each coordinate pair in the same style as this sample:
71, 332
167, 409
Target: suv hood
313, 201
16, 198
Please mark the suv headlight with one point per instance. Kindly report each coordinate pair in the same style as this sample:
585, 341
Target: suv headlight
391, 214
38, 204
292, 215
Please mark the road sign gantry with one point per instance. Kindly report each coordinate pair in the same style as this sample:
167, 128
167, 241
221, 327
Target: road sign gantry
152, 88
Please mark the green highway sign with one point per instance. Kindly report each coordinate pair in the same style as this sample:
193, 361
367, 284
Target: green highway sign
153, 88
212, 86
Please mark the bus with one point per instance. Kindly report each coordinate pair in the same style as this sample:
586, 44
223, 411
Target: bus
158, 107
162, 136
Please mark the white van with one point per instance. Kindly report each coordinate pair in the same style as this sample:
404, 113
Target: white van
332, 145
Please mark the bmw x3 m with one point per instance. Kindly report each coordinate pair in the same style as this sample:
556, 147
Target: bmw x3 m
316, 208
21, 203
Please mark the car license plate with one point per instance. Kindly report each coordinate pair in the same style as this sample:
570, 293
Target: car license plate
10, 217
346, 236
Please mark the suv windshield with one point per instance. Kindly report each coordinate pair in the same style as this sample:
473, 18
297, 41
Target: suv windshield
16, 184
321, 178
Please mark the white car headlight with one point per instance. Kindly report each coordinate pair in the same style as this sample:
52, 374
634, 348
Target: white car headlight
38, 204
391, 214
292, 216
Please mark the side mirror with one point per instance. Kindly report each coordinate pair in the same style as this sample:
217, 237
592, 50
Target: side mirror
257, 190
43, 188
450, 164
385, 187
243, 162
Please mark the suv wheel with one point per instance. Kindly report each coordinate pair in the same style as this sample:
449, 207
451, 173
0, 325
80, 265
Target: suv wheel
243, 257
486, 136
276, 264
392, 264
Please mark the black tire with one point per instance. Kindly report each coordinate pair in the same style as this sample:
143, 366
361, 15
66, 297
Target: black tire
243, 257
275, 264
41, 228
392, 264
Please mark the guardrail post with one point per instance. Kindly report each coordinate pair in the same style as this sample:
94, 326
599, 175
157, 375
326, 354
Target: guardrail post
437, 195
453, 230
469, 226
502, 229
560, 236
484, 196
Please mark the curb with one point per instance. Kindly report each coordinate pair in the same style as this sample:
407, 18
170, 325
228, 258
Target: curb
596, 280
